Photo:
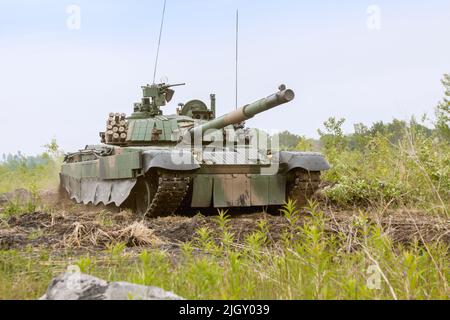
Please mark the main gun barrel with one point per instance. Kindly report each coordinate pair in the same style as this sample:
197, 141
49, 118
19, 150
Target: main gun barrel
247, 112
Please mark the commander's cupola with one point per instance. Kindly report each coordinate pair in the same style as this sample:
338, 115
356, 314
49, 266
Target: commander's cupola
155, 96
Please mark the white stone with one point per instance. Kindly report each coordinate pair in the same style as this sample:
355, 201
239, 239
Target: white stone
79, 286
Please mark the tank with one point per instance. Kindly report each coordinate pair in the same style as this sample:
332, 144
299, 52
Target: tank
160, 165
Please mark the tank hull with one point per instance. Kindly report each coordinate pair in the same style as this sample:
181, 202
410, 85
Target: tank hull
162, 181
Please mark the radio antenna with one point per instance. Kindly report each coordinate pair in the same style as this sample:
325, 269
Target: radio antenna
237, 55
159, 40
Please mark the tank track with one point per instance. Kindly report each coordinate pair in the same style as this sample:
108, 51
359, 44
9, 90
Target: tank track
169, 196
173, 189
303, 186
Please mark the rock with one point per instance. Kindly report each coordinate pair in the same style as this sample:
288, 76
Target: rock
125, 290
75, 286
79, 286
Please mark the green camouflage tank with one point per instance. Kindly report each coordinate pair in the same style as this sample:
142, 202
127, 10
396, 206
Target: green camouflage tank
159, 164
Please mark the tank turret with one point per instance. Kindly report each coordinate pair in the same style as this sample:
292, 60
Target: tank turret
148, 126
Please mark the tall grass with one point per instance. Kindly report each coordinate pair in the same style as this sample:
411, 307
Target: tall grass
412, 171
360, 262
31, 173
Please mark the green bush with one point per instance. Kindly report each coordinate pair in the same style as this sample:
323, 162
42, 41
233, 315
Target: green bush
412, 170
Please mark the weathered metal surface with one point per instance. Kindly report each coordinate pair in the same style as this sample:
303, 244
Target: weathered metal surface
202, 191
237, 190
178, 160
96, 191
310, 161
121, 166
113, 167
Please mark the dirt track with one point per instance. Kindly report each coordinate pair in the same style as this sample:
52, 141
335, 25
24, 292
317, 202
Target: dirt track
67, 225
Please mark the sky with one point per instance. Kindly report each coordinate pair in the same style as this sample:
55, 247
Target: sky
64, 65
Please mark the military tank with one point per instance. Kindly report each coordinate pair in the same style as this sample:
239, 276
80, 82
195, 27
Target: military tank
160, 164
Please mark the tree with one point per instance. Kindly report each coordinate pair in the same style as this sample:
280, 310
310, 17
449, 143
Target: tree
442, 111
288, 140
52, 148
305, 144
359, 139
333, 138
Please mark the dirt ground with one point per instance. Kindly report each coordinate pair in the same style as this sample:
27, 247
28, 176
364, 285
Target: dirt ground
64, 224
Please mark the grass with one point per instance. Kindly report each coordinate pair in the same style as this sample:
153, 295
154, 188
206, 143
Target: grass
26, 174
32, 174
360, 262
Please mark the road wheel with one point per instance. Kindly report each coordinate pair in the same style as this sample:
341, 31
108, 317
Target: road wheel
144, 194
